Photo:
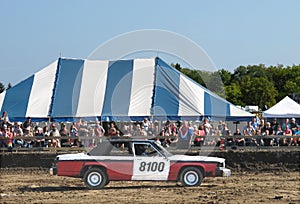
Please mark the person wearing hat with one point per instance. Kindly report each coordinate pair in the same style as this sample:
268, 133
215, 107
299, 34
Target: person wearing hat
274, 124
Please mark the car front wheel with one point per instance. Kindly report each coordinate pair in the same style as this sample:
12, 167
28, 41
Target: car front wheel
95, 178
191, 176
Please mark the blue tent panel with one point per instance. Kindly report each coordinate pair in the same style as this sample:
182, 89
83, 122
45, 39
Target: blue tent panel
67, 87
166, 93
16, 98
215, 106
118, 88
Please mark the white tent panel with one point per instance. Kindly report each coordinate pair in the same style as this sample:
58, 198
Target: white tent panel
238, 112
142, 87
191, 96
42, 87
2, 96
286, 108
92, 89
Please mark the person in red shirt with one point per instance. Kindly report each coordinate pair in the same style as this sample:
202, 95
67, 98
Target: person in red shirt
287, 132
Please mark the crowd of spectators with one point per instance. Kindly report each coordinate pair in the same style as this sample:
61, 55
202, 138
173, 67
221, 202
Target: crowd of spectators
181, 134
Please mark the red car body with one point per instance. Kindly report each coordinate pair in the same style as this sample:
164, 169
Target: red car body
141, 160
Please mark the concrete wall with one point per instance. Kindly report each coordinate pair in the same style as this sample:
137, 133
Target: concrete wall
237, 161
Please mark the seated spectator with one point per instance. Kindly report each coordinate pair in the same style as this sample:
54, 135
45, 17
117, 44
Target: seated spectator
297, 133
38, 133
18, 132
274, 124
268, 130
200, 136
278, 131
229, 140
248, 129
27, 124
112, 130
288, 132
224, 129
240, 141
63, 132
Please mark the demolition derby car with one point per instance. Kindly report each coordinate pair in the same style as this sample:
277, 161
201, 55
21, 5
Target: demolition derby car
143, 160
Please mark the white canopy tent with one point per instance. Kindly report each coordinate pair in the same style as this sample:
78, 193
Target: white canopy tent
286, 108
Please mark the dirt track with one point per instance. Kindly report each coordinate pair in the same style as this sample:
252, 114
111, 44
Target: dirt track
32, 186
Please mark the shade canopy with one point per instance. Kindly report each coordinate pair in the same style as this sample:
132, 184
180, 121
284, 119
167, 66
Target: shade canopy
286, 108
114, 90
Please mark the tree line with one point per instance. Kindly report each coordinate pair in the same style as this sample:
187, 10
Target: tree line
249, 85
246, 85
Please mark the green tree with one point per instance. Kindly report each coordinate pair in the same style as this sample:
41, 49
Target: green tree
258, 91
8, 86
234, 94
2, 87
225, 76
176, 66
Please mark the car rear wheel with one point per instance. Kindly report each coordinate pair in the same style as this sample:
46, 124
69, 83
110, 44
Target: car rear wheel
191, 176
95, 178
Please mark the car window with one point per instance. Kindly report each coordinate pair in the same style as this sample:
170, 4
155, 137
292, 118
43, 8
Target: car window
145, 150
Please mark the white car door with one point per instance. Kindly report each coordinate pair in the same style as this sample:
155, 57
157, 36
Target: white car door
149, 164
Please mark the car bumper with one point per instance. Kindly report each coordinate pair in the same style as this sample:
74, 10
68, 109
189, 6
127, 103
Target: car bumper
53, 171
222, 171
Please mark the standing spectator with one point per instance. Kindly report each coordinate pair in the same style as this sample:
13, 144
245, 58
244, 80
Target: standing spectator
286, 124
293, 125
207, 127
9, 136
255, 124
46, 134
74, 136
55, 142
185, 134
146, 124
4, 116
99, 133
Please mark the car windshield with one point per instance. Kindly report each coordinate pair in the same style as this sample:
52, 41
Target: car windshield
165, 152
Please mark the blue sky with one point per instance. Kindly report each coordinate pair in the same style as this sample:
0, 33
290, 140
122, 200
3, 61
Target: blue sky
233, 32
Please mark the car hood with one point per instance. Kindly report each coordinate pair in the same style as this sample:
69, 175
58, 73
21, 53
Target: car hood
196, 158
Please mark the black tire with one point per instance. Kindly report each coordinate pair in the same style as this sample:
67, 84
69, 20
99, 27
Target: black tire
191, 176
95, 178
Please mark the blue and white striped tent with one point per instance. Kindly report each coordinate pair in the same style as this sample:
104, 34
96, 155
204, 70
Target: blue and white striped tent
113, 90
